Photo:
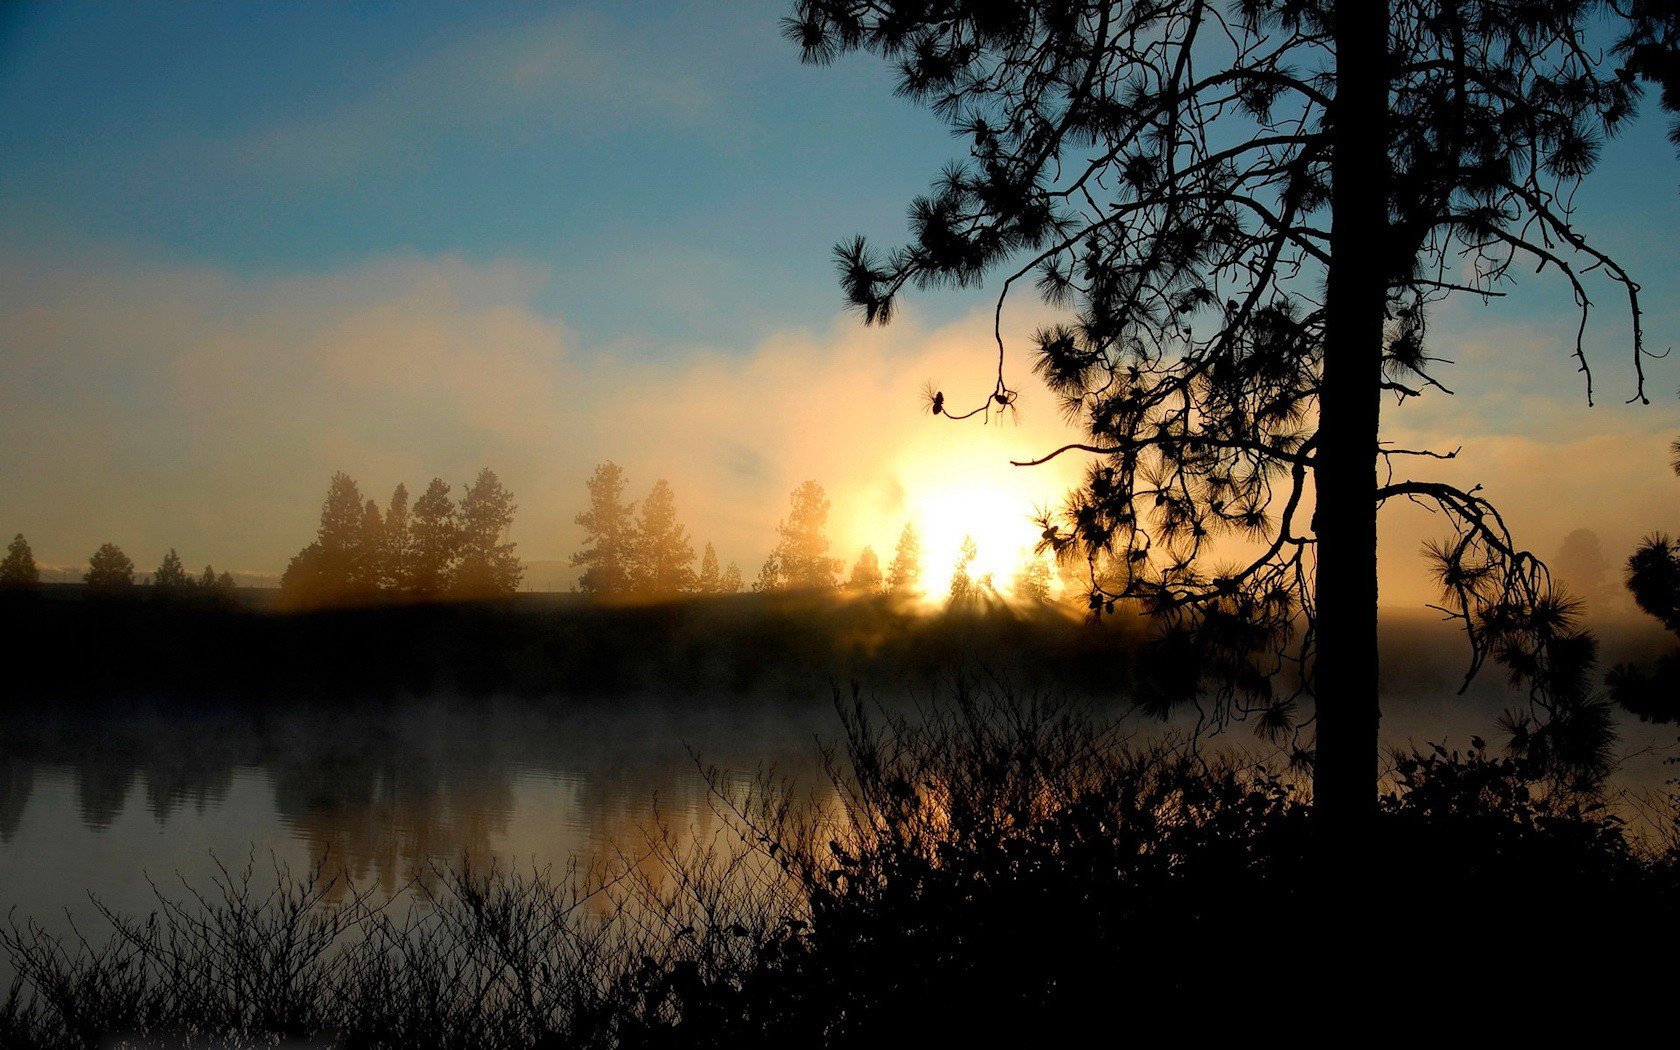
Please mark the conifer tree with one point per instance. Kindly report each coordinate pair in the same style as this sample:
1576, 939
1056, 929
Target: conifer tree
663, 562
608, 558
487, 566
801, 558
904, 574
394, 551
730, 582
1249, 211
171, 575
710, 580
866, 573
434, 541
109, 569
18, 569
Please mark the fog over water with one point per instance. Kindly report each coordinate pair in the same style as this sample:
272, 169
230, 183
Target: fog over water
99, 799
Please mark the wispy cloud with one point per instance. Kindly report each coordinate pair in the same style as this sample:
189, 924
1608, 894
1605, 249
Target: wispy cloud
573, 75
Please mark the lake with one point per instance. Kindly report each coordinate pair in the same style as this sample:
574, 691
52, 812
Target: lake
97, 798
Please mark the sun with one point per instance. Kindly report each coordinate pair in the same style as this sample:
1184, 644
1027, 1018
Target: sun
960, 490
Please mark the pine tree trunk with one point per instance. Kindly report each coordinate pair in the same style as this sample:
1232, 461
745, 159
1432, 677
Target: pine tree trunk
1345, 674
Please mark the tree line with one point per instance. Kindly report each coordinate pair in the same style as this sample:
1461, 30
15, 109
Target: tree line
651, 554
110, 569
437, 548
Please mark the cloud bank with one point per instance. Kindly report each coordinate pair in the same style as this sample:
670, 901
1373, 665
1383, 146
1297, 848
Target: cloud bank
161, 406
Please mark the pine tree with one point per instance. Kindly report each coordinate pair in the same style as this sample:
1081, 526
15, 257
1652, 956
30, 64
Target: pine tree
206, 579
866, 573
170, 574
730, 582
609, 535
1032, 582
487, 566
1249, 211
394, 552
904, 575
331, 568
801, 558
710, 580
368, 561
434, 541
664, 558
109, 569
964, 588
18, 569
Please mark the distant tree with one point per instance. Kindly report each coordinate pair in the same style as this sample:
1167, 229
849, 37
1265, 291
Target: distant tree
730, 582
226, 584
109, 569
801, 558
904, 574
709, 581
1580, 563
1653, 578
394, 551
964, 588
171, 575
663, 561
1031, 583
18, 569
332, 568
434, 541
866, 573
769, 576
609, 529
206, 579
487, 566
367, 566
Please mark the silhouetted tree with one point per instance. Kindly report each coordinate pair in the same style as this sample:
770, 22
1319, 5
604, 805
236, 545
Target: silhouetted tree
336, 566
663, 562
225, 583
964, 588
367, 565
1653, 578
904, 574
1581, 565
1250, 210
1031, 583
18, 568
730, 582
801, 557
609, 533
487, 565
394, 552
866, 573
710, 581
434, 541
109, 569
1651, 50
207, 579
171, 575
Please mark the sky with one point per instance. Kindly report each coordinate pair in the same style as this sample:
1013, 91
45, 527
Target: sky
243, 246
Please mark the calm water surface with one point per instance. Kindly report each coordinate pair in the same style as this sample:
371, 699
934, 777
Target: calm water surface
98, 802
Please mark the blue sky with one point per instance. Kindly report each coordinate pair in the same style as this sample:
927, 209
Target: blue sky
245, 245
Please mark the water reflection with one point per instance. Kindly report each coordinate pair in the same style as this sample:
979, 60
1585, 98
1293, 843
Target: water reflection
91, 798
91, 801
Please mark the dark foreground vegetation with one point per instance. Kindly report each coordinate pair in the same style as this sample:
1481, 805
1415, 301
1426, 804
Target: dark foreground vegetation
74, 643
995, 870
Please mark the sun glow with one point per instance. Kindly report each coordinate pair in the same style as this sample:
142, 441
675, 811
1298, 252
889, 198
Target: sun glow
966, 490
